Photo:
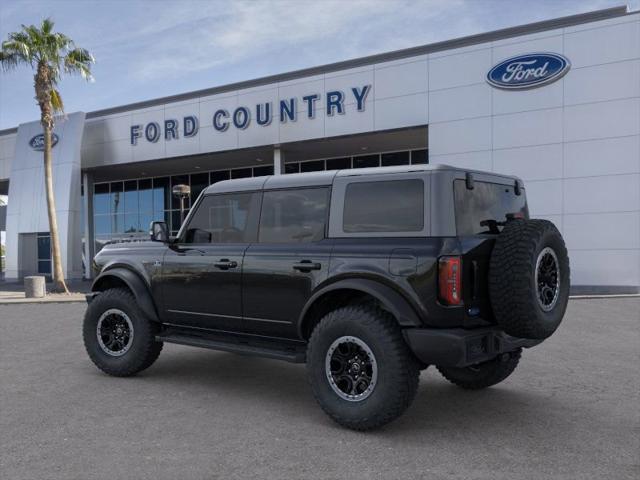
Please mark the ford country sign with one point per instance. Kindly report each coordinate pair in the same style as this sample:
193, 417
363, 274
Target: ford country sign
528, 71
37, 142
284, 110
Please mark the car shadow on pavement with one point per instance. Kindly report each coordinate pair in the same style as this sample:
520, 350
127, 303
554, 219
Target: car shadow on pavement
283, 386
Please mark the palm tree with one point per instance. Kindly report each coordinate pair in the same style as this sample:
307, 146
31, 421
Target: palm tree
50, 55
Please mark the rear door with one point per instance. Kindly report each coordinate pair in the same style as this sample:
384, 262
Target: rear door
202, 272
289, 260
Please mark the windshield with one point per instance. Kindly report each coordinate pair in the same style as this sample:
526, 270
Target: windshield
485, 208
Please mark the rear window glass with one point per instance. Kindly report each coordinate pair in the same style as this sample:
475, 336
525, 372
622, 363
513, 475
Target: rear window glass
486, 202
384, 206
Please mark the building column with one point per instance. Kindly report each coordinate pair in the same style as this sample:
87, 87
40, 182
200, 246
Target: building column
87, 185
278, 161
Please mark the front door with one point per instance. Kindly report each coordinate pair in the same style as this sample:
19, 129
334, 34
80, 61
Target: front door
290, 259
202, 271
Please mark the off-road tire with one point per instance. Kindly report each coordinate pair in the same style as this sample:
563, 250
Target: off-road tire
398, 370
512, 278
144, 349
484, 374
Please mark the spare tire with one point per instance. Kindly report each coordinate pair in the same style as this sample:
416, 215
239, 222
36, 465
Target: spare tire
529, 278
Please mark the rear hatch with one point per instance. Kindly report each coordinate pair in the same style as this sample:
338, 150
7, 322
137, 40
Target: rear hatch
481, 210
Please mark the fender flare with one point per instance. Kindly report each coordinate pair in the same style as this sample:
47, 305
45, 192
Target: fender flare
395, 303
137, 286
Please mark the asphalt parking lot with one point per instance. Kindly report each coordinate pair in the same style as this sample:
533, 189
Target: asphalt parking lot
570, 411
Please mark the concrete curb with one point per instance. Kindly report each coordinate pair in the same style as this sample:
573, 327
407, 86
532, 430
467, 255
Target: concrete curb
73, 298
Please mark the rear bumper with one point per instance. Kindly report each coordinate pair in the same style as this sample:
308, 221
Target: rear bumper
457, 347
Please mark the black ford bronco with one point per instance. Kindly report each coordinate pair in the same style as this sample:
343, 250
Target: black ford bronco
367, 275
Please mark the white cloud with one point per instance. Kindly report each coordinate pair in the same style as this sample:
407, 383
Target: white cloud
178, 41
147, 49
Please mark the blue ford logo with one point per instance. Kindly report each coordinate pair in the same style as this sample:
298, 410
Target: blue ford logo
37, 142
528, 71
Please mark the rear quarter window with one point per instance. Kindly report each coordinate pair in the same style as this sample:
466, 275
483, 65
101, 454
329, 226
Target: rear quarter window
486, 202
384, 206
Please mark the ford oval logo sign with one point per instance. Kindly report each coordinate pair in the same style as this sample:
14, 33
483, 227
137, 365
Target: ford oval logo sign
528, 71
37, 142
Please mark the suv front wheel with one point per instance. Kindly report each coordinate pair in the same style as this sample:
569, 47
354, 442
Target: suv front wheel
361, 371
118, 337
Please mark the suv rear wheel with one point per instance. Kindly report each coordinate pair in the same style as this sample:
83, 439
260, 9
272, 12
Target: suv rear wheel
118, 337
484, 374
361, 371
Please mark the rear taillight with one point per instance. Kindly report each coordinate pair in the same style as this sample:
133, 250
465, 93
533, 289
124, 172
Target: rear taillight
450, 280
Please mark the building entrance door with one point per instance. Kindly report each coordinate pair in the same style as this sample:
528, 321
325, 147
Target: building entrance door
44, 253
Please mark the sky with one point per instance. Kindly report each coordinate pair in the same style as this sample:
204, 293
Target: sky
149, 49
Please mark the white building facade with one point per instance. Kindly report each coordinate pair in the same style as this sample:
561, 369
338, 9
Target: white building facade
572, 133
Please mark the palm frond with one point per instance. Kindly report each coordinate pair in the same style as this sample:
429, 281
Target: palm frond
47, 26
63, 42
79, 61
56, 101
9, 61
34, 34
18, 45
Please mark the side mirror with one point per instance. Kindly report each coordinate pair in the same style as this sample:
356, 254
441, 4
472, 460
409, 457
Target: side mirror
159, 232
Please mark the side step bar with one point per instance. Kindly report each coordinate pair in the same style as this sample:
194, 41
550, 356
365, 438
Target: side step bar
289, 351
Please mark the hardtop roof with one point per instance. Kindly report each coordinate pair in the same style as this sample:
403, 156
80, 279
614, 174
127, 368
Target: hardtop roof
326, 178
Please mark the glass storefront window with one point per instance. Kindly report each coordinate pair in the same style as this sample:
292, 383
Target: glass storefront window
339, 163
131, 203
131, 223
161, 194
145, 221
419, 157
366, 161
145, 195
291, 167
102, 224
117, 197
101, 198
313, 166
218, 176
395, 158
199, 181
176, 222
241, 173
117, 223
263, 171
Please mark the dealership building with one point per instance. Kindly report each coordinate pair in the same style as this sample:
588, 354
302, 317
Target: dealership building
556, 103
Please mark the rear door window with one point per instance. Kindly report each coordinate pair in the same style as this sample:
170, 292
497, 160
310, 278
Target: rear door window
294, 215
384, 206
487, 203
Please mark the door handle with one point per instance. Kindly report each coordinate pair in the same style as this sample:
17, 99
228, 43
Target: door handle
225, 264
306, 266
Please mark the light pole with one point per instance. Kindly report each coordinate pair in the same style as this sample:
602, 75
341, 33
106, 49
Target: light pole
182, 192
